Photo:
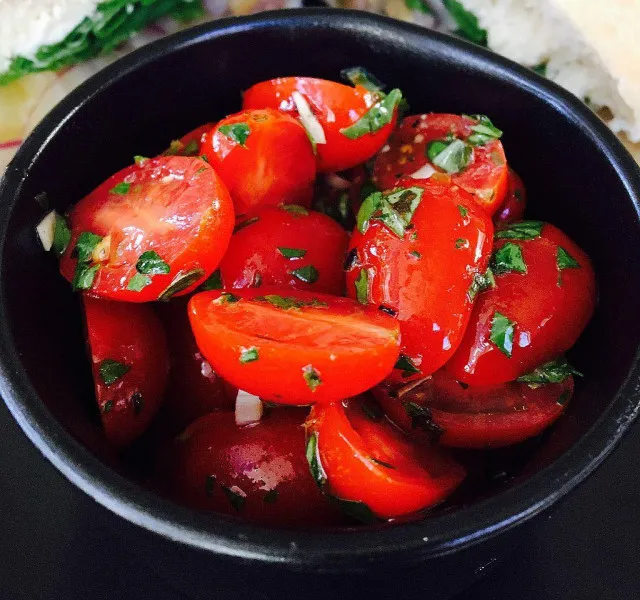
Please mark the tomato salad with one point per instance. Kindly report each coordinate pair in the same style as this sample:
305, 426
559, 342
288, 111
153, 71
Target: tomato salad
316, 300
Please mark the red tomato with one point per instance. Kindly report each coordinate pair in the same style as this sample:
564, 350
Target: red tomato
194, 388
536, 311
264, 157
294, 347
336, 107
188, 144
361, 457
485, 174
288, 246
130, 364
514, 204
424, 275
258, 472
150, 231
474, 416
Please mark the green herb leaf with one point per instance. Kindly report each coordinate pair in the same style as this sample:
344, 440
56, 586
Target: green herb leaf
213, 282
121, 189
463, 211
502, 330
524, 230
181, 282
362, 287
61, 235
375, 118
405, 364
467, 22
245, 223
313, 458
191, 149
311, 377
360, 76
451, 157
84, 276
377, 461
85, 245
419, 6
415, 254
107, 406
138, 282
238, 132
554, 371
140, 160
248, 355
421, 418
226, 298
236, 498
462, 243
508, 259
484, 131
111, 370
481, 283
295, 209
287, 302
564, 260
357, 510
540, 69
271, 496
395, 209
150, 263
308, 274
291, 252
137, 402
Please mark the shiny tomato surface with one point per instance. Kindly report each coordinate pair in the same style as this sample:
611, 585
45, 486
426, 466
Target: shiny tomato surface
515, 202
150, 231
189, 143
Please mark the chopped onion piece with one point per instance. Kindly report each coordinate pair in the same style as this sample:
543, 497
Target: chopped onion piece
46, 229
308, 119
248, 408
423, 172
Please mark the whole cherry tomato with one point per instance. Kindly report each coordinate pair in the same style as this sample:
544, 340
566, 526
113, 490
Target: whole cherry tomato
189, 143
294, 347
151, 231
354, 122
288, 246
465, 148
258, 472
264, 157
358, 456
544, 296
488, 416
130, 364
515, 202
417, 254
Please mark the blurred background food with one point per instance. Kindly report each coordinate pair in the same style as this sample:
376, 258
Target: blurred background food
48, 47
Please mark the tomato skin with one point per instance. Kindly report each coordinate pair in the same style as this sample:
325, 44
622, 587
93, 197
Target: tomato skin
253, 257
132, 335
515, 202
275, 165
305, 355
412, 477
490, 416
252, 460
427, 290
176, 206
336, 106
548, 317
189, 143
485, 177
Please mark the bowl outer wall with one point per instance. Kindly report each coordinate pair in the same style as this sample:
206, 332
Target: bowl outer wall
301, 549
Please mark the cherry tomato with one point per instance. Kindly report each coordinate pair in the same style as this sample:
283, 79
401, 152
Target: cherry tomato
294, 347
514, 204
288, 246
150, 231
477, 164
130, 364
465, 416
421, 272
264, 157
544, 297
188, 144
258, 471
194, 388
337, 108
359, 456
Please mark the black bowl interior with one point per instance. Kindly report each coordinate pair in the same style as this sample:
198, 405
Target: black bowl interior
576, 173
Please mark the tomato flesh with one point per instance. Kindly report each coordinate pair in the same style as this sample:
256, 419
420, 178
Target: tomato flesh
515, 202
132, 336
174, 206
294, 347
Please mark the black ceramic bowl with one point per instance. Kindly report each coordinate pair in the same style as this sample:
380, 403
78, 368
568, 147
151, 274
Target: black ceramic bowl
577, 174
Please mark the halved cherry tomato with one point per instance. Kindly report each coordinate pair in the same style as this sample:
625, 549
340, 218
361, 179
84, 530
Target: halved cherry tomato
258, 472
465, 416
150, 231
359, 456
294, 347
194, 388
424, 271
544, 297
514, 204
478, 169
130, 364
288, 246
189, 143
264, 157
337, 107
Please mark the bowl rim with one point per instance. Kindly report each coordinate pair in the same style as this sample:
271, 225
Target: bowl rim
339, 550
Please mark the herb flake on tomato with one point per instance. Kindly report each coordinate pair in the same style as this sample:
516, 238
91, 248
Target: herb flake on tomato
554, 371
311, 377
508, 259
375, 118
111, 370
524, 230
238, 132
248, 355
502, 330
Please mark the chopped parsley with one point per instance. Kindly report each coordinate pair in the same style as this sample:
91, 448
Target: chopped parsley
291, 252
311, 377
462, 243
138, 282
308, 274
111, 370
226, 298
238, 132
419, 6
245, 223
554, 371
213, 282
61, 235
508, 259
85, 273
451, 157
84, 276
524, 230
480, 284
502, 330
181, 282
139, 160
150, 263
405, 364
121, 189
421, 418
466, 21
287, 302
191, 149
483, 131
564, 260
415, 254
311, 452
375, 118
362, 287
295, 209
360, 76
248, 355
463, 211
395, 209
